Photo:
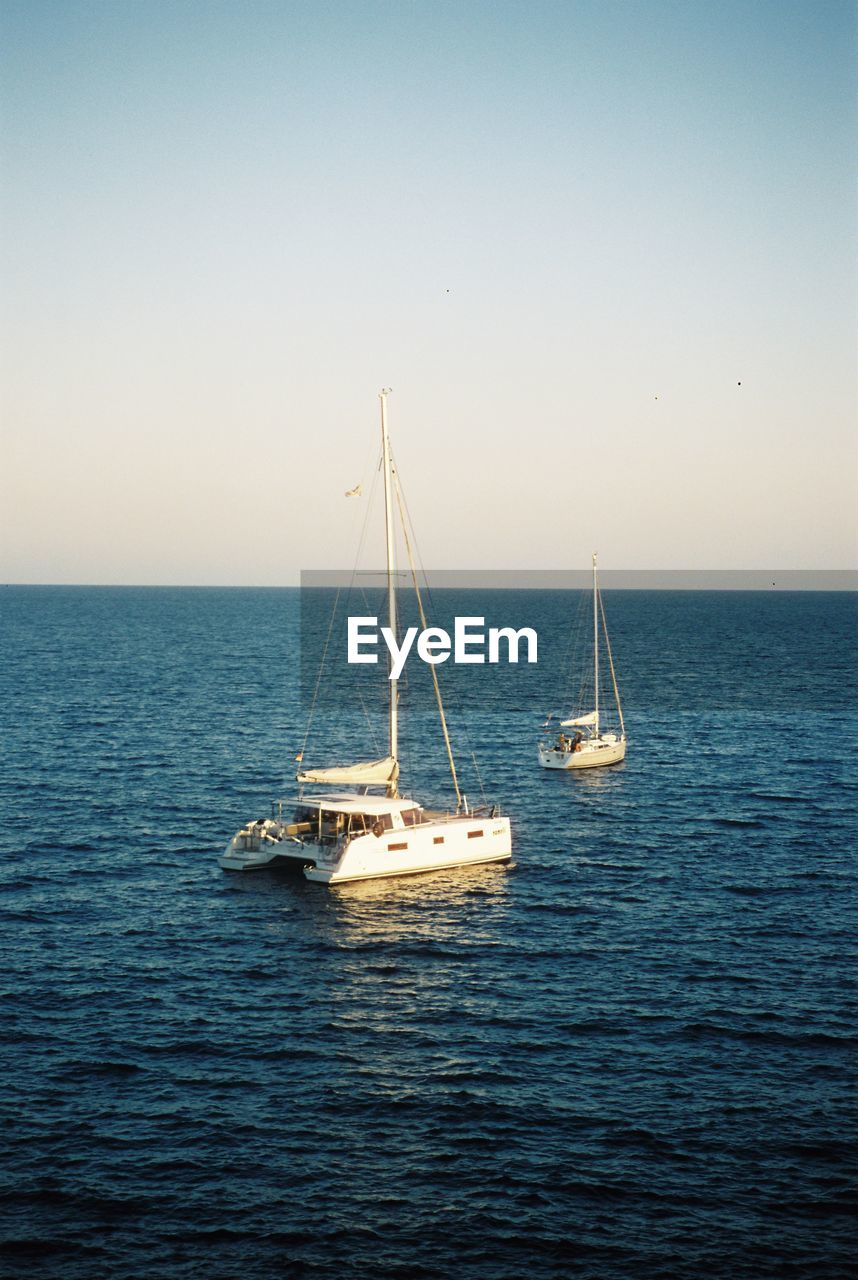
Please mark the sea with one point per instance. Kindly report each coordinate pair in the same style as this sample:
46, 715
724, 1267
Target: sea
631, 1053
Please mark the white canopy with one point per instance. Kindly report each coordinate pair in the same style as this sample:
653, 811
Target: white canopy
590, 718
364, 774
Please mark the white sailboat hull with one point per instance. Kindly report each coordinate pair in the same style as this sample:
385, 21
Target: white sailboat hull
430, 846
591, 754
453, 842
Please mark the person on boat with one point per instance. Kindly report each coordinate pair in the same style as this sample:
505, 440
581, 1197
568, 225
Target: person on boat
576, 746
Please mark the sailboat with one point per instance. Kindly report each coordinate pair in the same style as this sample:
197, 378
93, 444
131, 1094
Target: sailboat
588, 745
334, 837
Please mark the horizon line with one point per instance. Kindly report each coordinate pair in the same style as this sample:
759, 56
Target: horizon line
514, 579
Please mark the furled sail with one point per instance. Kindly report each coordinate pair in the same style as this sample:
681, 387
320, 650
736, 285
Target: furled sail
363, 774
581, 721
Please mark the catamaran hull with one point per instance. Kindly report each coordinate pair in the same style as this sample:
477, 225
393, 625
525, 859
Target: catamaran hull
409, 851
237, 858
587, 758
463, 842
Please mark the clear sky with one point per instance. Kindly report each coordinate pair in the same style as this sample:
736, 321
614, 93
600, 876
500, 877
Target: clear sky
603, 252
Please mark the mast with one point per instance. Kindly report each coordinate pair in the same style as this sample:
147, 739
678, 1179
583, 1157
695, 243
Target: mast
391, 571
596, 643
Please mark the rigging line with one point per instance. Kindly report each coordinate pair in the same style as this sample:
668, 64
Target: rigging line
360, 683
408, 523
360, 588
432, 666
372, 734
405, 756
321, 669
586, 658
319, 675
574, 668
357, 493
611, 661
452, 694
565, 672
361, 678
561, 683
362, 540
479, 779
351, 590
369, 503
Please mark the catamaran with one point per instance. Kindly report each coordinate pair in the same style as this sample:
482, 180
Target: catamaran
334, 837
588, 745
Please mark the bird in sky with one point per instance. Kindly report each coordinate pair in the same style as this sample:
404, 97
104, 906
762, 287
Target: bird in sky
355, 492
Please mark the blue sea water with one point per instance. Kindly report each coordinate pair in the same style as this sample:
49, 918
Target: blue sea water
631, 1054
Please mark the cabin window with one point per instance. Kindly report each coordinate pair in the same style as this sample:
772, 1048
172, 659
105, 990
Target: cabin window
472, 835
332, 826
392, 848
437, 839
410, 817
363, 822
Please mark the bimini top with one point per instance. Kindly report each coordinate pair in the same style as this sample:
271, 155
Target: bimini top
372, 805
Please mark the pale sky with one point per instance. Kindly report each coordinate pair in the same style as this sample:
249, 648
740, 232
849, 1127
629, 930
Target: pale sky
604, 254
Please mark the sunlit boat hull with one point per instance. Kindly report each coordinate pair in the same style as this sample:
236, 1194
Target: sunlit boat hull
467, 840
455, 842
592, 755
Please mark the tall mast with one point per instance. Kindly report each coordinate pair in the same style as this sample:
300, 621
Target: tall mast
596, 642
391, 570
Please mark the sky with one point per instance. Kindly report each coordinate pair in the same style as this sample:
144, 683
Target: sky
603, 252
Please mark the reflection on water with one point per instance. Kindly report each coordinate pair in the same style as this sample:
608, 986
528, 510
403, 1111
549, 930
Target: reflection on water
599, 780
394, 909
451, 882
440, 906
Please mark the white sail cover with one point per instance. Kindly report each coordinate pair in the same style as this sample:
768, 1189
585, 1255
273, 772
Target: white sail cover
590, 718
364, 774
